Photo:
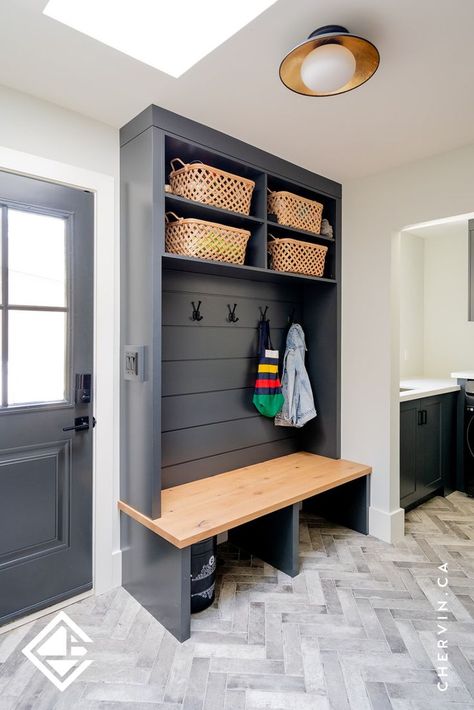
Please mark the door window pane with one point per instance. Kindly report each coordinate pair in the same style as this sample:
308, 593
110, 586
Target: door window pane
36, 356
36, 259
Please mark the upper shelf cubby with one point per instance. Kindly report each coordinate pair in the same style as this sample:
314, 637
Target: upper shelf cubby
190, 152
276, 183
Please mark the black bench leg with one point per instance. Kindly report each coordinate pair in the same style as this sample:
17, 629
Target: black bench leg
158, 575
346, 505
272, 538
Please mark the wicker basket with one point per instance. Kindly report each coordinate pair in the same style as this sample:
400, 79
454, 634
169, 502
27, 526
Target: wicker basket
297, 257
295, 211
205, 240
211, 186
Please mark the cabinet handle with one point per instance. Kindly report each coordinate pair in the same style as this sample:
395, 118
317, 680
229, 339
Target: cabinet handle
422, 416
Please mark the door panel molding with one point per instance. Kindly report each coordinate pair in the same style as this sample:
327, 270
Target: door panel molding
43, 526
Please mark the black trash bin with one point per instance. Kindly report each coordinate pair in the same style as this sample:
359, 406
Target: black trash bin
203, 573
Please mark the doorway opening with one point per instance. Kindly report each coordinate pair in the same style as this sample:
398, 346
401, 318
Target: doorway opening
436, 350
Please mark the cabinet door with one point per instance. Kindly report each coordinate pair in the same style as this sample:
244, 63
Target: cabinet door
429, 447
408, 437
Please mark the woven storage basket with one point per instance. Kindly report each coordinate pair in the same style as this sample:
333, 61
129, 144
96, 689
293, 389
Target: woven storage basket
295, 211
211, 186
206, 240
297, 257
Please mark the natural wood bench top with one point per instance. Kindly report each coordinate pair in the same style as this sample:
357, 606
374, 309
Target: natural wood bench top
197, 510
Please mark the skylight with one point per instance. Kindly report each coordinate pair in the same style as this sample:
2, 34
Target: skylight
169, 35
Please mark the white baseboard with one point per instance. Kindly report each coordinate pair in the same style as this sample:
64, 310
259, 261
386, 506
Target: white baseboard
116, 568
389, 527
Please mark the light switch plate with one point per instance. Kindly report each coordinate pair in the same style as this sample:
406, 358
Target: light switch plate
134, 363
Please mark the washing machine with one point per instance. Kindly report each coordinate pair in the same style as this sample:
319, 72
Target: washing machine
469, 438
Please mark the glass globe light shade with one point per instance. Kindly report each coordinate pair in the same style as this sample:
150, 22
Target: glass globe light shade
328, 68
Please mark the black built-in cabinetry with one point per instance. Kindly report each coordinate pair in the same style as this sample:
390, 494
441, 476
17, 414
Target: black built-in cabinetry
427, 448
192, 417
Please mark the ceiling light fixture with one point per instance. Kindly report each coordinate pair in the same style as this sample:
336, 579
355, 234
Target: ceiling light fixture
170, 36
331, 61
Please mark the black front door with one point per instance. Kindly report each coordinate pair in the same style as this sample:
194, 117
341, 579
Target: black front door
46, 310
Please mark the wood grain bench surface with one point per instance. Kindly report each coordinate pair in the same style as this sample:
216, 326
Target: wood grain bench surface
197, 510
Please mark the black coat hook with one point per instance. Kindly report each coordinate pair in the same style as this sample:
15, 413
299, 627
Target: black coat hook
196, 312
232, 318
263, 313
291, 317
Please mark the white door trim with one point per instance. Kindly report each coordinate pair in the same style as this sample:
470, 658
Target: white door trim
107, 572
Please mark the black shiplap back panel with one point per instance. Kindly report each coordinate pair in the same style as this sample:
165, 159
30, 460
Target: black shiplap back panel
209, 424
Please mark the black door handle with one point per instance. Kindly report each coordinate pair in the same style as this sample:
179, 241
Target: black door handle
422, 416
80, 424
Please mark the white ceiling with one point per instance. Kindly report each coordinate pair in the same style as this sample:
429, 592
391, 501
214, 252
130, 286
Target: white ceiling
420, 102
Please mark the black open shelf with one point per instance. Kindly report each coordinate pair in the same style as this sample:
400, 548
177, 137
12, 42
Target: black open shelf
189, 208
240, 271
277, 183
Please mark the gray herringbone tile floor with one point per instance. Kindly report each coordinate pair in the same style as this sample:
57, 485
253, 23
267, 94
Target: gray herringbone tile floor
357, 629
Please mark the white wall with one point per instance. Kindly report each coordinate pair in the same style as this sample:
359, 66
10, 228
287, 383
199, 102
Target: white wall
449, 336
412, 299
376, 208
33, 126
40, 139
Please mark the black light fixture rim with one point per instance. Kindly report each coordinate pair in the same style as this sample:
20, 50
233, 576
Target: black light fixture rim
329, 35
329, 29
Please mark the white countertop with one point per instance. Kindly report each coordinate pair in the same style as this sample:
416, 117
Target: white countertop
463, 375
425, 387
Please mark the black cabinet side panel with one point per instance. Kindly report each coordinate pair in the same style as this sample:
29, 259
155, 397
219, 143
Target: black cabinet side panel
321, 325
449, 440
140, 281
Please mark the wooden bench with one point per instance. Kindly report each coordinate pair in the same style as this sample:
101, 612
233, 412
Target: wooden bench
258, 505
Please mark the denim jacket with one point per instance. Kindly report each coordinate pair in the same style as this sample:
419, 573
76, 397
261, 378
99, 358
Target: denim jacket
295, 385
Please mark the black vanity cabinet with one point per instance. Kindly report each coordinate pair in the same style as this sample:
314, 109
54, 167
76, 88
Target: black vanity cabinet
427, 448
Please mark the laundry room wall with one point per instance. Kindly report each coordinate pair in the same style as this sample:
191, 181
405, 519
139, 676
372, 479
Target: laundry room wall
448, 334
375, 210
